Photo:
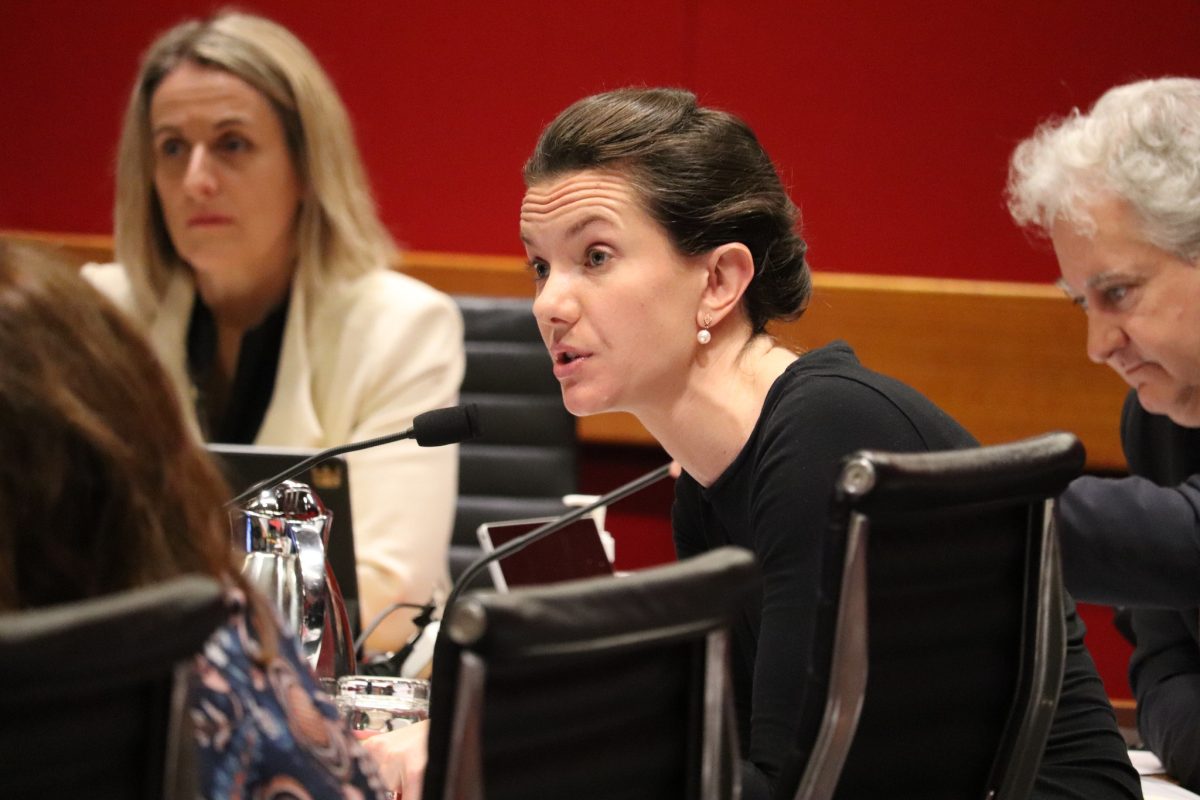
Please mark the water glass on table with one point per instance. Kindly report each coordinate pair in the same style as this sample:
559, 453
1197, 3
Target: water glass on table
374, 705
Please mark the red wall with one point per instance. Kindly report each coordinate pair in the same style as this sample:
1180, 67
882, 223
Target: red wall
892, 122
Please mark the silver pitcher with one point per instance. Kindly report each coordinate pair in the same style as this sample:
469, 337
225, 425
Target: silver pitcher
284, 532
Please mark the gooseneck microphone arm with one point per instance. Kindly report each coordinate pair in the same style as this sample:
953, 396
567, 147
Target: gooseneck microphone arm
431, 429
312, 461
556, 524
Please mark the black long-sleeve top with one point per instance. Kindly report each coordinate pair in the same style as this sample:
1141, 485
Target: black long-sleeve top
774, 498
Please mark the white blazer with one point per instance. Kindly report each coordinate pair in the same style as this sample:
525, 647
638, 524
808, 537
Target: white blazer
358, 361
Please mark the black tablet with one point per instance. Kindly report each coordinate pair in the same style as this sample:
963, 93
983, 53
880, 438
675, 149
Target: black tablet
576, 551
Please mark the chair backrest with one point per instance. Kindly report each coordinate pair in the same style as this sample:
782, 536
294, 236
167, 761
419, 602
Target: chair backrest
941, 641
599, 688
525, 461
93, 694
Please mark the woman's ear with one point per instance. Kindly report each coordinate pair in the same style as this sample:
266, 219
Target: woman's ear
730, 269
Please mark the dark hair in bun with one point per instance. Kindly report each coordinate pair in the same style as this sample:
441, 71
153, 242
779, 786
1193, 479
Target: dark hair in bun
701, 173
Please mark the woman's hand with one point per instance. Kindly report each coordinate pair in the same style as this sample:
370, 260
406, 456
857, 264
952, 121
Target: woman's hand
401, 756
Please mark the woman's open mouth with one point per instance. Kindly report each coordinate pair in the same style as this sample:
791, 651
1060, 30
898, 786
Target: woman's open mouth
568, 362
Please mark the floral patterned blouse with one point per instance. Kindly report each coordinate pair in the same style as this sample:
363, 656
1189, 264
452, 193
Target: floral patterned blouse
270, 732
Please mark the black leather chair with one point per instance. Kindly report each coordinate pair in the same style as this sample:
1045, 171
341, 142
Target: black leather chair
600, 688
941, 641
93, 694
525, 461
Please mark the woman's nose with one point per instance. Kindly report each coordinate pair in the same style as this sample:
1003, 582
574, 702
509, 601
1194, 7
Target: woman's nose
200, 180
1104, 339
555, 303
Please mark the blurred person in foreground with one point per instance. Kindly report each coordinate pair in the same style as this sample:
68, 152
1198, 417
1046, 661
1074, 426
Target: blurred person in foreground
250, 253
1117, 190
104, 489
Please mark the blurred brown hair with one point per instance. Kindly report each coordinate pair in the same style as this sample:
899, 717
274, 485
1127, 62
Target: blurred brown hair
102, 485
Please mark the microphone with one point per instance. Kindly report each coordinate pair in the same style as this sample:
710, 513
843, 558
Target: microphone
394, 663
430, 429
556, 524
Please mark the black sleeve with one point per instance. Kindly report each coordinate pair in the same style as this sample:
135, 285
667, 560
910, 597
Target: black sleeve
1085, 756
1165, 674
1131, 542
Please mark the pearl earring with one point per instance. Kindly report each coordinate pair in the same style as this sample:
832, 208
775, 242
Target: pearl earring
703, 336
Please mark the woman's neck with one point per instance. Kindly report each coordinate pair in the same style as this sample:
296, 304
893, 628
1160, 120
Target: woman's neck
708, 423
240, 307
233, 318
229, 347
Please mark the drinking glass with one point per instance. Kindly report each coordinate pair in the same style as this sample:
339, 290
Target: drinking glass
378, 704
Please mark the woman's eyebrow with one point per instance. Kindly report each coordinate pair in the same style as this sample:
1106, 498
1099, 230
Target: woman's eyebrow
582, 224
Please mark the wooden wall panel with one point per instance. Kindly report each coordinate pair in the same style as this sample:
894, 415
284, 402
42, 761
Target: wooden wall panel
1005, 359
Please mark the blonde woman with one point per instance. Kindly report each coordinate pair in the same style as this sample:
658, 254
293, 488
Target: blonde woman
249, 251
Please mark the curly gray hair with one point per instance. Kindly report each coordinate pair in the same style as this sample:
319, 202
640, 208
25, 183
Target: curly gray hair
1139, 142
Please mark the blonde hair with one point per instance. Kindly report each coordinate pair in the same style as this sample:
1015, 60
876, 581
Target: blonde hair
338, 232
1140, 143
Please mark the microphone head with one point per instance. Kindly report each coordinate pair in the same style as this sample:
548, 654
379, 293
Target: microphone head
446, 425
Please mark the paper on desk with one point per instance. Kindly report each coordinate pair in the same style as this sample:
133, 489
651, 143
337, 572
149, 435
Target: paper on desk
1159, 789
1154, 785
1145, 762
